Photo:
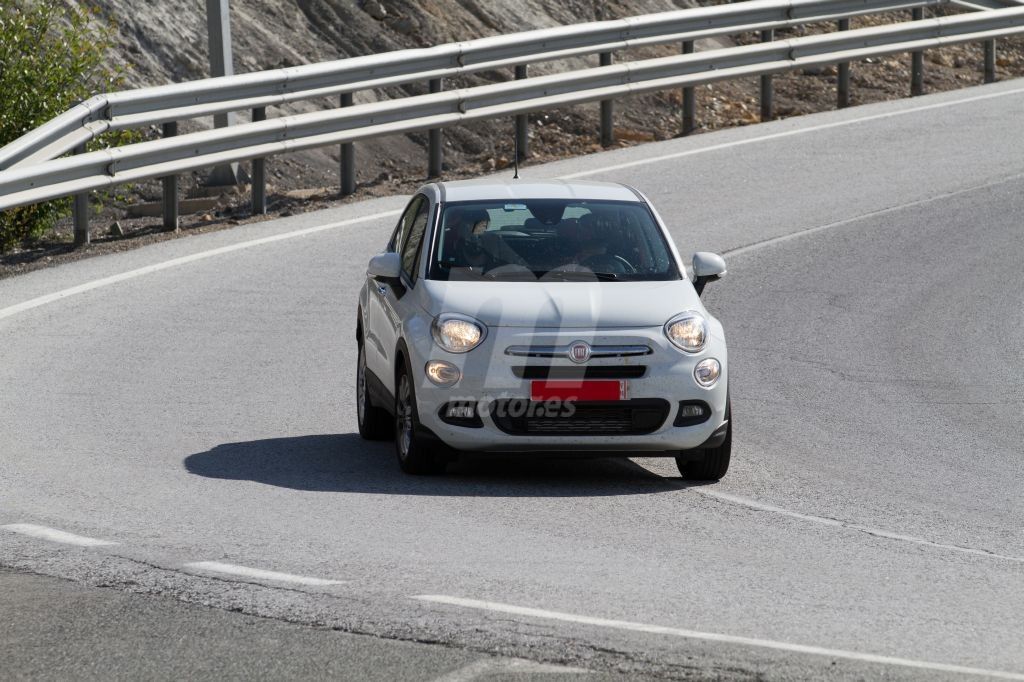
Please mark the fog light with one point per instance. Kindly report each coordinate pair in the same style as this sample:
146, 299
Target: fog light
460, 411
707, 372
442, 373
691, 411
462, 414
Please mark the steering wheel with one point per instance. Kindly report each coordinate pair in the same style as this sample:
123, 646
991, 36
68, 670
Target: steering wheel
606, 262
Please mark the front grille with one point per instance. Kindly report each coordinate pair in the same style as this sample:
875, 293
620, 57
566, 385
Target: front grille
623, 351
618, 418
589, 372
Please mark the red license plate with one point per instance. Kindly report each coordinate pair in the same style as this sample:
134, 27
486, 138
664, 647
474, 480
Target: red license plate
578, 390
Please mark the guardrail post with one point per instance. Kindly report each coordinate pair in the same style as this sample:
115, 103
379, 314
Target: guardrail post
80, 211
607, 129
218, 29
170, 184
917, 60
259, 172
990, 61
843, 78
435, 159
689, 98
767, 36
348, 157
522, 122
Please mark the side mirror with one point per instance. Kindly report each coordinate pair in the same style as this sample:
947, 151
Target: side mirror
385, 266
707, 267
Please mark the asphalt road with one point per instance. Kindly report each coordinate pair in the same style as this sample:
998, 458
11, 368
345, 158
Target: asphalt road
198, 407
58, 630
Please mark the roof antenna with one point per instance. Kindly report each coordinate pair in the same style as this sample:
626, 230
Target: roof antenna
515, 154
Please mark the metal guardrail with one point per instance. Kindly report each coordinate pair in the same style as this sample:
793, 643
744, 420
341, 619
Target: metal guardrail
180, 101
39, 181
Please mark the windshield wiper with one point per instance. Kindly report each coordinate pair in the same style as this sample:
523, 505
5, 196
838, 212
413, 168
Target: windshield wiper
515, 276
580, 276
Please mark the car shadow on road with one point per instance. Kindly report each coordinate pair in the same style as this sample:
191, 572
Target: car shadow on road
346, 463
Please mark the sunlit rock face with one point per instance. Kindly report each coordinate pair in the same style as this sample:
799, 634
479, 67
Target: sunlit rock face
165, 41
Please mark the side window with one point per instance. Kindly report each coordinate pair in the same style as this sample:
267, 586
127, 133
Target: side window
402, 229
413, 238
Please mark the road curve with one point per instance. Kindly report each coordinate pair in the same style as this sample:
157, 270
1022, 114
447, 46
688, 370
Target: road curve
191, 405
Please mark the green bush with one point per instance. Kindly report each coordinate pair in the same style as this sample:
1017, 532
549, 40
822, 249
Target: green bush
51, 58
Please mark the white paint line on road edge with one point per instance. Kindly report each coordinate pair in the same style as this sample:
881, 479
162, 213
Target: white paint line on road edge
497, 666
257, 573
771, 241
761, 506
787, 133
174, 262
54, 535
714, 637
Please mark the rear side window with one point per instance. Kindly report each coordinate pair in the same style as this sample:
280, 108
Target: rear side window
400, 236
413, 239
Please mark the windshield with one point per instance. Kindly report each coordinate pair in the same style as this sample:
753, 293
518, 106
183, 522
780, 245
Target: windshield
555, 240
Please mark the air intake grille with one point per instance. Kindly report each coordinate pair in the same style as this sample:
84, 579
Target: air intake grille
620, 418
589, 372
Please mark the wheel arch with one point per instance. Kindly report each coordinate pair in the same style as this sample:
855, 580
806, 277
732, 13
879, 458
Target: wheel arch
402, 360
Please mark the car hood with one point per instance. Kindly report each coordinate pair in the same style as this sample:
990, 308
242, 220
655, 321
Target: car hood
563, 304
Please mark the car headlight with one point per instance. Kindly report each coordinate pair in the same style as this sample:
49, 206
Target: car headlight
688, 331
457, 333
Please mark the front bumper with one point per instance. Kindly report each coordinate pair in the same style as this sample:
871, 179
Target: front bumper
489, 381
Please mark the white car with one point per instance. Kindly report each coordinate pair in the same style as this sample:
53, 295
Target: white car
509, 316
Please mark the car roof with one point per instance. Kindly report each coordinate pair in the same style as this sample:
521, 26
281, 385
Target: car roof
491, 189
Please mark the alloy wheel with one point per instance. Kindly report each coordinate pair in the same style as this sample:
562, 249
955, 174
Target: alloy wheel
403, 413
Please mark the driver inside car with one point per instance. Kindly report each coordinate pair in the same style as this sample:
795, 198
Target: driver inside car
462, 241
594, 236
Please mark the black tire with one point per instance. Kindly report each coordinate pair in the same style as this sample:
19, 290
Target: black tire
374, 422
713, 462
416, 455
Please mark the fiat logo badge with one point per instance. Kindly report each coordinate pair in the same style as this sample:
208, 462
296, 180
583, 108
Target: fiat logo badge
579, 351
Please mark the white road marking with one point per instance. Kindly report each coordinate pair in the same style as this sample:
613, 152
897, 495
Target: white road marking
771, 241
174, 262
496, 666
787, 133
54, 535
257, 573
715, 637
879, 532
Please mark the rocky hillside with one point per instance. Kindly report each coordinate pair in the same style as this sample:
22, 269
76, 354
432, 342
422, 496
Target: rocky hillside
165, 41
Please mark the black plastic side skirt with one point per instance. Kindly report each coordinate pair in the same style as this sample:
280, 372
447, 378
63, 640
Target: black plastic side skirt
380, 396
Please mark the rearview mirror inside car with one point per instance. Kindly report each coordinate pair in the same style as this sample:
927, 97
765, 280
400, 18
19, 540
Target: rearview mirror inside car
385, 266
707, 267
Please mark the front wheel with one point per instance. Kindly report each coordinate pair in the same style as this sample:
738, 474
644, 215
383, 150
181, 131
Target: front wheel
712, 463
415, 454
